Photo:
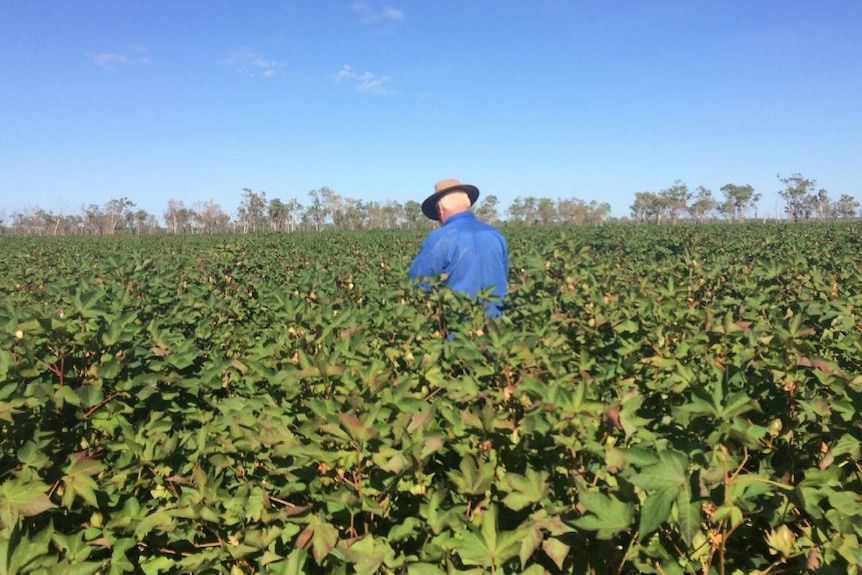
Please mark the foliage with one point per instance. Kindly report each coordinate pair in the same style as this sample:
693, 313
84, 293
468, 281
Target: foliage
654, 400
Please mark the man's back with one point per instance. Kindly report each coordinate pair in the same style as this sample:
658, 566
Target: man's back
472, 254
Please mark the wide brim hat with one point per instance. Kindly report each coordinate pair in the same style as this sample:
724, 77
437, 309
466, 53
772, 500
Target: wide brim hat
443, 187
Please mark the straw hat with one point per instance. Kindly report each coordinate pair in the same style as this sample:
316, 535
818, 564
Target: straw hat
443, 187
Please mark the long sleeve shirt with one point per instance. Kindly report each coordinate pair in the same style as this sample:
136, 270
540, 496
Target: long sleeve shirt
472, 253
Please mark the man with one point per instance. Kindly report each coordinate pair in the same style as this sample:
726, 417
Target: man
472, 253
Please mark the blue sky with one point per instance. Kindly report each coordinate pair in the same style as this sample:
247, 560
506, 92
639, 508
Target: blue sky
379, 99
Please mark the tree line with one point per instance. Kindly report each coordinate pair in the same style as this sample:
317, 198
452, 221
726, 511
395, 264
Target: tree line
327, 209
802, 199
258, 213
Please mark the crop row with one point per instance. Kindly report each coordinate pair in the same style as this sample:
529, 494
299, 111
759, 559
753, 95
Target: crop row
654, 400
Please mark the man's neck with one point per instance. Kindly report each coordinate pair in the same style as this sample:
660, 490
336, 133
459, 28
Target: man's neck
444, 216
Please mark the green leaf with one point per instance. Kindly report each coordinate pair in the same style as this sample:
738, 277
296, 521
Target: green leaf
640, 456
473, 550
78, 480
6, 362
323, 541
487, 548
6, 536
655, 510
850, 550
19, 498
368, 554
120, 562
32, 455
81, 568
608, 515
532, 538
112, 335
182, 359
525, 489
424, 569
405, 529
156, 565
64, 394
556, 550
254, 505
670, 472
19, 550
431, 445
701, 403
240, 550
160, 520
473, 478
295, 563
736, 404
688, 516
87, 303
847, 445
355, 428
7, 410
728, 511
663, 482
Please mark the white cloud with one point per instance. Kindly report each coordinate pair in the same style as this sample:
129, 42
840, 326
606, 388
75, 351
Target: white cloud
368, 82
114, 60
344, 74
391, 13
365, 82
370, 15
247, 61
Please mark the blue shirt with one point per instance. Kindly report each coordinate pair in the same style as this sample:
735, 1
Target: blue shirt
471, 252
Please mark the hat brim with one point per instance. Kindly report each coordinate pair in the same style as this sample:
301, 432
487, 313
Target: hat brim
429, 206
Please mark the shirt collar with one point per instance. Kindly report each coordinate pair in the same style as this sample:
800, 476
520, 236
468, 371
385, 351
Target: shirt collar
466, 214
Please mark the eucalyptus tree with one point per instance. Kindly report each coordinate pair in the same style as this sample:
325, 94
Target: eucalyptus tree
391, 214
739, 199
571, 211
177, 216
374, 216
70, 225
141, 221
413, 217
546, 212
26, 222
845, 207
524, 210
647, 207
349, 214
45, 222
598, 212
798, 195
823, 205
94, 219
283, 215
117, 213
277, 213
251, 214
517, 211
703, 203
674, 200
316, 213
208, 217
486, 209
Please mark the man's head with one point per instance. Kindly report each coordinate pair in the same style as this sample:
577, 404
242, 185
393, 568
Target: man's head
453, 203
450, 197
